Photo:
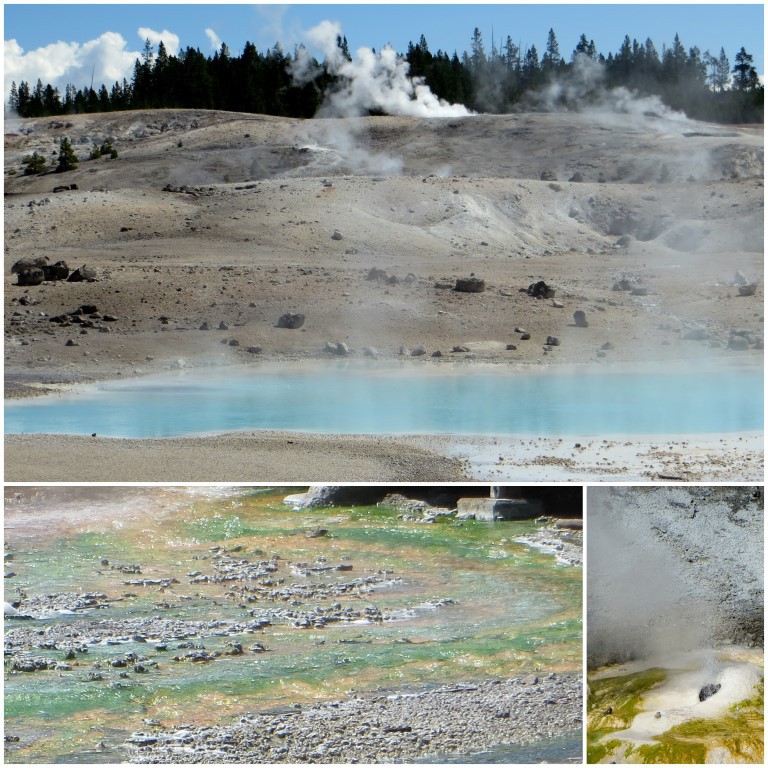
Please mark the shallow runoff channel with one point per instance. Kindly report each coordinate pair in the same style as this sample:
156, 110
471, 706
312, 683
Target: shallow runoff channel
167, 573
390, 399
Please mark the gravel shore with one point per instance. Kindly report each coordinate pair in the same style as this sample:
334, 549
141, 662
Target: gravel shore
380, 728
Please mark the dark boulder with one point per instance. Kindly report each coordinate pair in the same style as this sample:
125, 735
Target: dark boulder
541, 290
82, 274
33, 276
470, 285
57, 271
292, 321
709, 690
580, 319
35, 263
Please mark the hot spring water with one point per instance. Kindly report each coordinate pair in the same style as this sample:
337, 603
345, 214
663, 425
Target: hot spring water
408, 399
513, 609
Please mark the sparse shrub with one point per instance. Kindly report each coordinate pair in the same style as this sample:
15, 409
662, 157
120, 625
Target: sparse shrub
34, 164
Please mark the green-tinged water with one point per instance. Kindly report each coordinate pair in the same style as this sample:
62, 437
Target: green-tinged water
502, 608
734, 736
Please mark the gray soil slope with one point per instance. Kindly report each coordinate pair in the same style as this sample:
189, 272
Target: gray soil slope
673, 569
224, 218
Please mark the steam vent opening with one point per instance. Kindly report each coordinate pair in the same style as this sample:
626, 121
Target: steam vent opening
675, 632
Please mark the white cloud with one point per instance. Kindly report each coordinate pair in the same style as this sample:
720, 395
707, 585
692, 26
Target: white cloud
214, 38
169, 39
106, 59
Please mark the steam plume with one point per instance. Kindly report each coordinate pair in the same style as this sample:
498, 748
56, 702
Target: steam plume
370, 82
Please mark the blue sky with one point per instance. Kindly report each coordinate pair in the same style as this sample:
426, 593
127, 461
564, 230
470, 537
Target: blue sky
68, 42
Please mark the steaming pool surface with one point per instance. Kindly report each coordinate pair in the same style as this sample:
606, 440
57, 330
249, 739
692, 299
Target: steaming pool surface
397, 400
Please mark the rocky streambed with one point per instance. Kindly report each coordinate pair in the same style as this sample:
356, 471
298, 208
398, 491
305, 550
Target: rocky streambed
380, 727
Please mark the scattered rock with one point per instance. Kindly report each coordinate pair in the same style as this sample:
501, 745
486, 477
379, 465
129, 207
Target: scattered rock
292, 321
580, 319
748, 290
83, 274
553, 341
337, 235
33, 263
541, 290
32, 276
470, 285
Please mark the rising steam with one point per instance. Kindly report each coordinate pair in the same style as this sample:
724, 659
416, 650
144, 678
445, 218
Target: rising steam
639, 602
371, 82
583, 89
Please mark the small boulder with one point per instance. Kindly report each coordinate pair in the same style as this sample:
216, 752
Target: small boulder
747, 290
418, 351
33, 276
254, 349
83, 274
337, 235
541, 290
580, 319
708, 690
57, 271
38, 262
553, 341
738, 343
290, 320
470, 285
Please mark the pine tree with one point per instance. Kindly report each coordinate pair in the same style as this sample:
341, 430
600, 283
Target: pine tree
67, 157
744, 74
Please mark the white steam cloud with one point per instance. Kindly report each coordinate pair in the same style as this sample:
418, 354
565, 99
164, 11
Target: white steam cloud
370, 82
214, 39
169, 39
582, 89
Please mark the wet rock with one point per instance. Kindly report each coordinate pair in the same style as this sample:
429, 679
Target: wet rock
291, 320
708, 690
580, 319
470, 284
